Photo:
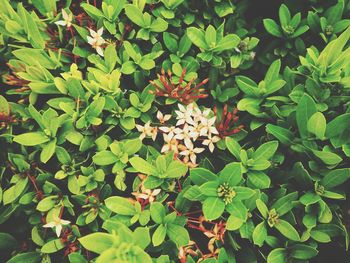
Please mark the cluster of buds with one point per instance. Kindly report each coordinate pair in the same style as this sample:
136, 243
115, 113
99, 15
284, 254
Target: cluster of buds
6, 120
225, 124
194, 127
273, 217
226, 192
181, 91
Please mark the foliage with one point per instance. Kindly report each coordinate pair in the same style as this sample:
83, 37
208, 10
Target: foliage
174, 131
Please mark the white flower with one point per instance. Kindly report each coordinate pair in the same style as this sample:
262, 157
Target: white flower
207, 126
191, 151
170, 144
147, 130
96, 40
186, 133
184, 115
57, 224
147, 194
169, 130
163, 118
210, 142
67, 19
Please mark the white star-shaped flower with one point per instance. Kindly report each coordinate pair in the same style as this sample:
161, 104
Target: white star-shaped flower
96, 40
191, 151
169, 130
163, 118
57, 224
67, 19
210, 142
208, 126
170, 144
187, 133
184, 115
147, 130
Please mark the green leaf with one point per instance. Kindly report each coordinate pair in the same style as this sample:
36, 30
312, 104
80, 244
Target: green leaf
284, 15
200, 176
231, 174
227, 42
328, 158
135, 15
259, 234
264, 211
273, 72
272, 27
52, 246
284, 204
197, 37
120, 205
178, 234
147, 63
243, 193
301, 251
278, 255
97, 242
105, 158
157, 212
258, 179
210, 188
283, 135
4, 106
132, 146
248, 86
305, 109
48, 151
210, 36
265, 151
143, 166
320, 236
31, 138
317, 125
213, 207
159, 235
234, 147
233, 223
176, 169
29, 257
336, 177
287, 230
92, 11
159, 25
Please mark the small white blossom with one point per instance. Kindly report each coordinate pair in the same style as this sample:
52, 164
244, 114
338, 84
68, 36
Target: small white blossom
147, 130
210, 142
191, 151
57, 224
187, 133
96, 40
184, 115
67, 19
170, 144
163, 118
147, 194
169, 130
207, 126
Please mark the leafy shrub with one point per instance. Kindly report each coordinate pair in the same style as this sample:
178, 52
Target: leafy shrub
174, 131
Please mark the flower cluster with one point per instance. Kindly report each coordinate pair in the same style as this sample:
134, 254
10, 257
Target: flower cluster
183, 92
193, 129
